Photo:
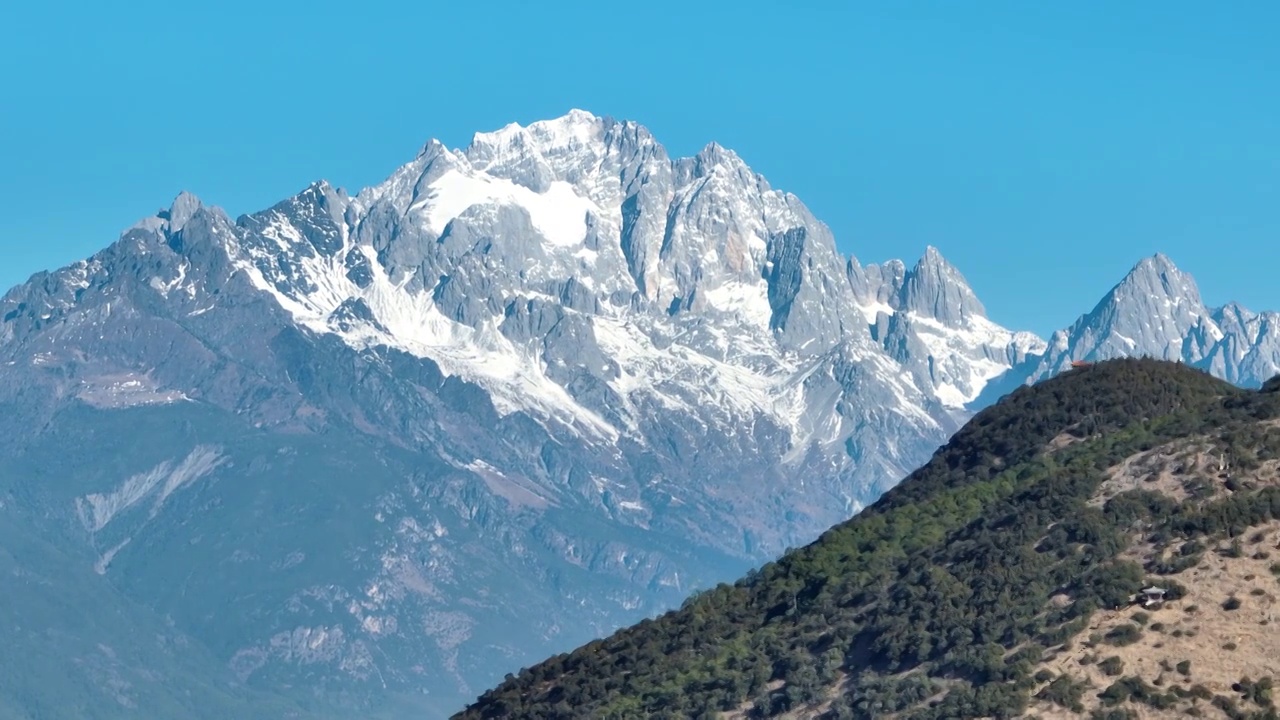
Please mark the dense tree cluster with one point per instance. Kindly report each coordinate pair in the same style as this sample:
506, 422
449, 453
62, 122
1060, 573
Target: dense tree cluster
935, 602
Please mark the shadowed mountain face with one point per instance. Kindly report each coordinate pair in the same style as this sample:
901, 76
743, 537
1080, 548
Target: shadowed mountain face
370, 452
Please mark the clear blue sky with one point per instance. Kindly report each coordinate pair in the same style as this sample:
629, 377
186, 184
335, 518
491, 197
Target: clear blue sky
1043, 147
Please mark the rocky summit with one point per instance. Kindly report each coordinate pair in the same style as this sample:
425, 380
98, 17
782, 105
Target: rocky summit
365, 453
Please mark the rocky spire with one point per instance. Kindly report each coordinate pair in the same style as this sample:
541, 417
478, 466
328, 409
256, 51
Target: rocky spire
935, 288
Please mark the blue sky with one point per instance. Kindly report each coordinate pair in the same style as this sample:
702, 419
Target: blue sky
1043, 147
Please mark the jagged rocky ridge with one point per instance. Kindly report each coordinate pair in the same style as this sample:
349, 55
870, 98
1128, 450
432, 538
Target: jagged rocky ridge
508, 399
1156, 311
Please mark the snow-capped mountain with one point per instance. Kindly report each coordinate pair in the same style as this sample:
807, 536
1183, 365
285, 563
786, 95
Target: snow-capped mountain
379, 449
1156, 311
581, 276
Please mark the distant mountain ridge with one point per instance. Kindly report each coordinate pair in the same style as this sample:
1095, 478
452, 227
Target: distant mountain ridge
557, 365
1156, 311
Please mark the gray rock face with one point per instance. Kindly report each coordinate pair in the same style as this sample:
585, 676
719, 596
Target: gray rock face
1156, 311
367, 453
935, 288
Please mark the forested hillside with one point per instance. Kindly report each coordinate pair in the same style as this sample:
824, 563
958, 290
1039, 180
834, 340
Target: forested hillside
998, 580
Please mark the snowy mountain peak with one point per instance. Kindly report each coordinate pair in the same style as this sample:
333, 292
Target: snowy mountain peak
666, 351
1157, 295
1157, 311
939, 319
539, 248
536, 148
431, 148
1233, 317
580, 275
1157, 275
483, 247
184, 206
1158, 262
933, 256
713, 153
934, 288
575, 126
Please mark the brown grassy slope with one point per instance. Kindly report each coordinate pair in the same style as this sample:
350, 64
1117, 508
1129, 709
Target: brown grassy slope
1222, 631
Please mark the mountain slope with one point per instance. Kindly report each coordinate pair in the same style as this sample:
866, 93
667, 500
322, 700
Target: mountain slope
78, 649
950, 595
578, 274
368, 450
